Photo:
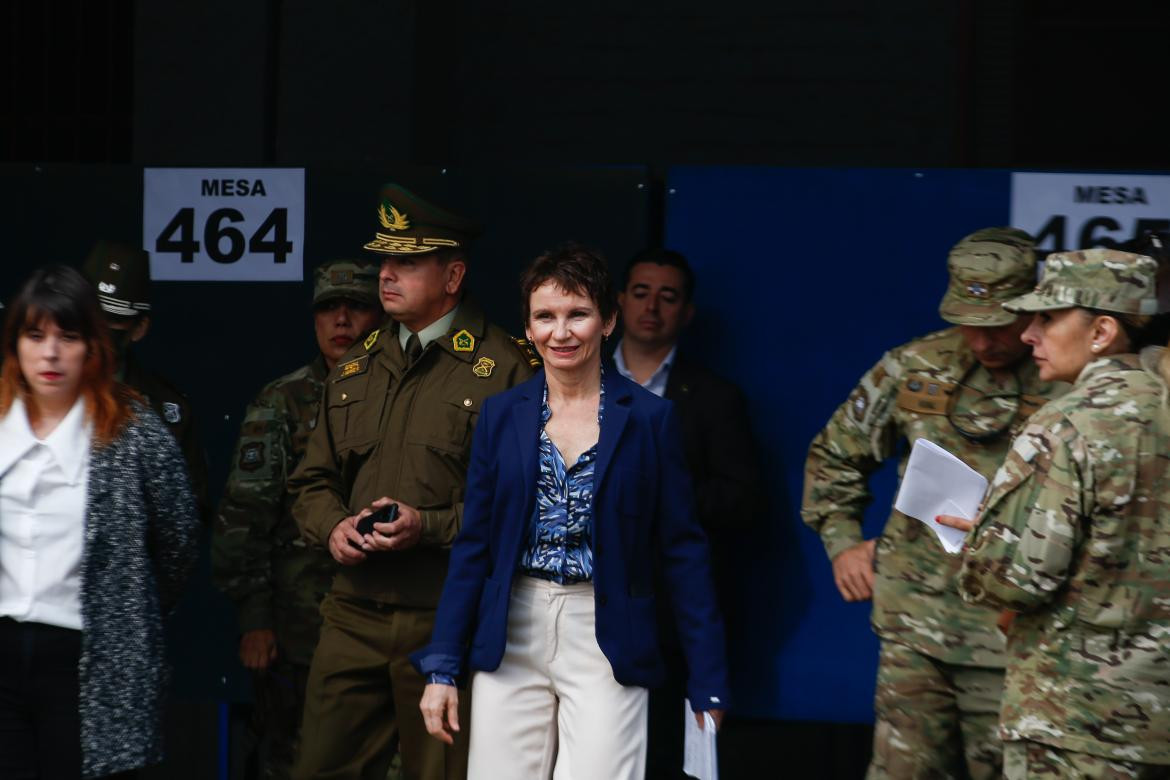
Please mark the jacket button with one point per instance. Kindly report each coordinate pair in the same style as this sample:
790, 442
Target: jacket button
602, 600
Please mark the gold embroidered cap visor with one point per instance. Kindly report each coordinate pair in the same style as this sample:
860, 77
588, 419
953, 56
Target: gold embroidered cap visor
1098, 278
406, 224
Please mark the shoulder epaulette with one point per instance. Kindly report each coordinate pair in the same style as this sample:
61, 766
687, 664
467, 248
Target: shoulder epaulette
528, 352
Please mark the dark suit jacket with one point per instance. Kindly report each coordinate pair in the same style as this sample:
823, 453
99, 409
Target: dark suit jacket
722, 459
642, 510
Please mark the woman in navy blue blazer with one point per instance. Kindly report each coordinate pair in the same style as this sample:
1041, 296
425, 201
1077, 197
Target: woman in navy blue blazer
577, 493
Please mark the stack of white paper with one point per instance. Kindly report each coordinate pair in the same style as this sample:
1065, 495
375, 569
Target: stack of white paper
699, 757
938, 483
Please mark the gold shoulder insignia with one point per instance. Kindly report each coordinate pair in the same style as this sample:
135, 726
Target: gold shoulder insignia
463, 342
528, 352
353, 367
371, 339
394, 219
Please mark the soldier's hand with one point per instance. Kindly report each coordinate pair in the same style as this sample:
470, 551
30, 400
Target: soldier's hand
440, 711
258, 649
339, 541
402, 534
853, 571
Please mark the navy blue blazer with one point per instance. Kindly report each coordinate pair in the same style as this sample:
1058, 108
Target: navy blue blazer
643, 514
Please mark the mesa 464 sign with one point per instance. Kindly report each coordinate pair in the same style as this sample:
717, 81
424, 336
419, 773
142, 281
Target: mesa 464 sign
224, 224
1080, 210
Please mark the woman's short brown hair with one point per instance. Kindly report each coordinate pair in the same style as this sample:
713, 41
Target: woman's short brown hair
575, 269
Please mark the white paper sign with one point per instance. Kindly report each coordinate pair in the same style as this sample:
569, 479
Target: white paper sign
1066, 211
938, 483
224, 224
700, 756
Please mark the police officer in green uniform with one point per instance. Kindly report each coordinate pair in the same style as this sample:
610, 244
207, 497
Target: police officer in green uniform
259, 559
394, 427
965, 388
121, 275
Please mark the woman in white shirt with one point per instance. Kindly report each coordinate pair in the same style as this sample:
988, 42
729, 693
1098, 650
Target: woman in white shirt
97, 532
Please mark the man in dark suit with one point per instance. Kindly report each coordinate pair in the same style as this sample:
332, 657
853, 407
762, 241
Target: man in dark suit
657, 303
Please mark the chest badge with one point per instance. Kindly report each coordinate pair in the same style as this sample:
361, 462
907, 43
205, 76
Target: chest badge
353, 367
463, 342
484, 367
171, 412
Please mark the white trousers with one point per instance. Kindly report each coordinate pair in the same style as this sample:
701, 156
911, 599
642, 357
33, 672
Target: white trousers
553, 708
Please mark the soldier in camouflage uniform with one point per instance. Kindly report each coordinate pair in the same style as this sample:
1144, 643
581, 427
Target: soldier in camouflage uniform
964, 388
258, 557
1074, 534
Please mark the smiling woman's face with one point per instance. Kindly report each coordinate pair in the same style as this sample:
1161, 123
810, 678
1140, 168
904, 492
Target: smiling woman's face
566, 328
51, 361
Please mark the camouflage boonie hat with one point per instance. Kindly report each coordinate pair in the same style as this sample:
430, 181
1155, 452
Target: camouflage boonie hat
986, 268
121, 275
356, 280
1098, 278
408, 225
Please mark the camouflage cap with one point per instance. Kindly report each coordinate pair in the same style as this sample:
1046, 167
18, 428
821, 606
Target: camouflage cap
409, 225
1098, 278
986, 268
121, 274
356, 280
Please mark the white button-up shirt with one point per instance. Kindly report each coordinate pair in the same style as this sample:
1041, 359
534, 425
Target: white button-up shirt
657, 382
42, 517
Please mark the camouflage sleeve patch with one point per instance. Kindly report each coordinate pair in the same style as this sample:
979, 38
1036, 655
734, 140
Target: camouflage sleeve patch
1020, 552
857, 438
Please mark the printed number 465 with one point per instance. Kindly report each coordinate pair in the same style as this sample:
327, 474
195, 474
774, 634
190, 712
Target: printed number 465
270, 238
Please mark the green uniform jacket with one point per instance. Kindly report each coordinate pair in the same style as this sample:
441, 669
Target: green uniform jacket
903, 398
173, 408
388, 430
258, 558
1075, 535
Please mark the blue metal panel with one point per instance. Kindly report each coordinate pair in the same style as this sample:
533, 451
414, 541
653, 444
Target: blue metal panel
805, 277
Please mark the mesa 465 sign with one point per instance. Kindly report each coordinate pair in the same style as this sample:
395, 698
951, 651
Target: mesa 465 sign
1080, 210
224, 224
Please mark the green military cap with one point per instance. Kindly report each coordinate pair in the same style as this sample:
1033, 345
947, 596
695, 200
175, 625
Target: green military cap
121, 274
356, 280
986, 268
409, 225
1098, 278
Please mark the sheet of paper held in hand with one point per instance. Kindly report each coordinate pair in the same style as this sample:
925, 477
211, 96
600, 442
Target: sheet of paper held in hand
699, 758
938, 483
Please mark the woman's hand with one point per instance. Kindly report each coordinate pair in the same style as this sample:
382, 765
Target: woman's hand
716, 715
955, 522
440, 711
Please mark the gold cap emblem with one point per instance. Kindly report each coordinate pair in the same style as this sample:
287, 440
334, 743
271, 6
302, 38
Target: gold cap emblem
391, 218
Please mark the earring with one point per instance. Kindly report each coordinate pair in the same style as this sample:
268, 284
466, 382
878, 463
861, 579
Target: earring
1095, 347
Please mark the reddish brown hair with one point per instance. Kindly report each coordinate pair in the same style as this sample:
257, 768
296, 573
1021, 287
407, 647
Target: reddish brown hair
62, 295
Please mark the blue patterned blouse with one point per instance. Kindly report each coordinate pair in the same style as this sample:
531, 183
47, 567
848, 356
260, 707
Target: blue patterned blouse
560, 538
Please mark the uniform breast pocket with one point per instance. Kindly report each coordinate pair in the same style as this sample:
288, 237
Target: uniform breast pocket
351, 420
448, 422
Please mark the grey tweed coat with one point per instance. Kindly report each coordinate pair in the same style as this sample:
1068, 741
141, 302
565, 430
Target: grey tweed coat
141, 540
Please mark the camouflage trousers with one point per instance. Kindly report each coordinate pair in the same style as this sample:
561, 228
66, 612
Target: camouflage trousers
1034, 761
276, 721
933, 719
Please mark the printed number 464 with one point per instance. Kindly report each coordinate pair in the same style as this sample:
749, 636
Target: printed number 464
270, 238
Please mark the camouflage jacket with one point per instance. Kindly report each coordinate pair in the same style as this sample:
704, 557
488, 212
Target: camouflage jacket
1075, 535
258, 556
904, 397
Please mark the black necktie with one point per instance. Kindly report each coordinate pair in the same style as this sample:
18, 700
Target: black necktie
413, 349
